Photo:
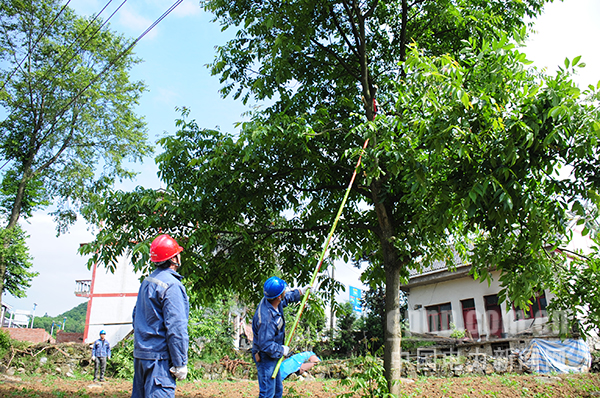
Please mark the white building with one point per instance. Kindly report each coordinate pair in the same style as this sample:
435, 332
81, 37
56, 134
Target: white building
111, 301
440, 301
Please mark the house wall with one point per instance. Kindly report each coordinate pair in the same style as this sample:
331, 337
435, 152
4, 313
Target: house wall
111, 303
453, 292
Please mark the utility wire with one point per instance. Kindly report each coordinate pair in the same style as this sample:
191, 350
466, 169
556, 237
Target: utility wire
81, 47
57, 60
113, 62
34, 45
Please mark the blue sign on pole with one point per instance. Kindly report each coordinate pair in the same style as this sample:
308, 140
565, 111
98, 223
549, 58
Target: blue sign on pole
356, 299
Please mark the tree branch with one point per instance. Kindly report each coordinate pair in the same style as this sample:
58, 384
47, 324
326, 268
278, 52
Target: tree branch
336, 56
342, 33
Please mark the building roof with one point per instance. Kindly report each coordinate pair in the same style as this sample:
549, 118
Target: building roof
438, 271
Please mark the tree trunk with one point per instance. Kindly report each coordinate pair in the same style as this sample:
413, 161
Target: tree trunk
14, 218
392, 332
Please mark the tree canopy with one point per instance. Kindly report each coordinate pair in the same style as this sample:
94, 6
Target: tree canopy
69, 124
15, 254
462, 157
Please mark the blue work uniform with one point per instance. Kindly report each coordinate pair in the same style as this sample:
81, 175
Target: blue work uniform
101, 351
101, 348
160, 324
293, 363
268, 328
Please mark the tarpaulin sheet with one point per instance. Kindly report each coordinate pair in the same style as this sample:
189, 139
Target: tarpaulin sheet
560, 356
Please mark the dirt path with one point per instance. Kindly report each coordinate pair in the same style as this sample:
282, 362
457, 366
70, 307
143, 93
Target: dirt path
506, 386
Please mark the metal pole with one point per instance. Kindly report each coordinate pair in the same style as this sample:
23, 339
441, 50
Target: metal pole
331, 315
33, 315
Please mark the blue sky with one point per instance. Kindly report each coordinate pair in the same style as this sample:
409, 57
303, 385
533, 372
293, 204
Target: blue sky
175, 54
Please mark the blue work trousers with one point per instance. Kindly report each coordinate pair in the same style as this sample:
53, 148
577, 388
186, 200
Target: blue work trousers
152, 379
268, 387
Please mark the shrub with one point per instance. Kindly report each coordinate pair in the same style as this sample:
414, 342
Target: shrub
121, 362
5, 343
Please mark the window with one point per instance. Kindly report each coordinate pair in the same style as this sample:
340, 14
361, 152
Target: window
439, 317
470, 317
537, 309
494, 315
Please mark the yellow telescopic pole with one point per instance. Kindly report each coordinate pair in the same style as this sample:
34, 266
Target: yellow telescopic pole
288, 339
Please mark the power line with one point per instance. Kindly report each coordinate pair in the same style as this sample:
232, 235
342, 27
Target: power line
110, 64
81, 47
91, 37
35, 44
114, 61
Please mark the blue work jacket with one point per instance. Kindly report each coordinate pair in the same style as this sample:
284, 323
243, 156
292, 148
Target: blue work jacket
160, 318
268, 326
101, 348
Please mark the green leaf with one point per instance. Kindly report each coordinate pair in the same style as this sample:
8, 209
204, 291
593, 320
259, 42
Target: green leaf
464, 98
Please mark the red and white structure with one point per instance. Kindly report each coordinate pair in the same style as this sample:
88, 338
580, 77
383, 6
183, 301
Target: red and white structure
111, 298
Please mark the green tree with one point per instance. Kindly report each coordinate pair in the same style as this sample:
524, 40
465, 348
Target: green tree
68, 104
464, 152
345, 341
15, 254
75, 320
372, 323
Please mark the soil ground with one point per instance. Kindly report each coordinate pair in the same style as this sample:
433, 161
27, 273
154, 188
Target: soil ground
505, 386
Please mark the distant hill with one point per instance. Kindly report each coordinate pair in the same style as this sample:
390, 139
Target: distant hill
75, 320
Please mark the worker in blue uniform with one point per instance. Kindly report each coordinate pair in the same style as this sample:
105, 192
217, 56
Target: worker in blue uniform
100, 353
160, 324
298, 363
268, 327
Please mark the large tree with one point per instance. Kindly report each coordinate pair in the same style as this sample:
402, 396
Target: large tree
68, 125
463, 152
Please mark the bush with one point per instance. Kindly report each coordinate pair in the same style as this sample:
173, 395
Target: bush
370, 380
345, 339
121, 362
5, 343
210, 331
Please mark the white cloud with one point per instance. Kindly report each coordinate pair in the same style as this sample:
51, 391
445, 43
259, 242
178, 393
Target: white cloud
187, 8
58, 264
136, 24
167, 97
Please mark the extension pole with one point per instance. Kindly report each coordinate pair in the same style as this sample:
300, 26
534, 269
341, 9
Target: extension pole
288, 339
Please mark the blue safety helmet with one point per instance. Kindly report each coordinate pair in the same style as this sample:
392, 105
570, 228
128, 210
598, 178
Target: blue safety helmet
274, 286
102, 332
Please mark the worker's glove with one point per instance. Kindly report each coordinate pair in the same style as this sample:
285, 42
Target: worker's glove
179, 372
286, 350
305, 289
93, 359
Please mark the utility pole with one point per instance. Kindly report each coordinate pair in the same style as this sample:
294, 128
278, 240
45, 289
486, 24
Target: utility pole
33, 314
331, 313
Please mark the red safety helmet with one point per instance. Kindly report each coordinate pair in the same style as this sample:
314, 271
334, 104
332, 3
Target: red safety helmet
163, 248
